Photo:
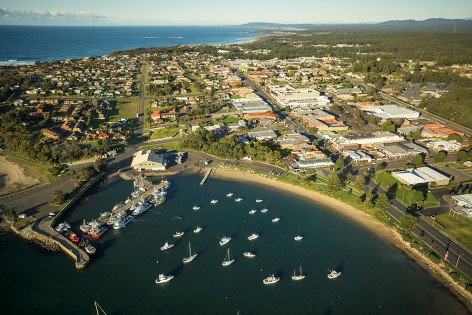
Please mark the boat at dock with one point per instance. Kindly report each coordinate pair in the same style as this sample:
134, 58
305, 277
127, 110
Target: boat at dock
117, 206
166, 246
225, 240
333, 274
163, 278
228, 259
89, 249
123, 221
197, 230
271, 279
158, 200
85, 228
166, 184
97, 231
264, 210
249, 254
252, 211
190, 256
253, 236
160, 192
196, 208
73, 237
178, 234
276, 219
63, 227
141, 208
214, 201
299, 276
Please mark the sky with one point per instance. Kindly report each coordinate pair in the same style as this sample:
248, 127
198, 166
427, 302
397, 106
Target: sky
225, 12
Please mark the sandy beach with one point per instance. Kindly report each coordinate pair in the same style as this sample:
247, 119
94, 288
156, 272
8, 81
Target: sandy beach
13, 177
357, 216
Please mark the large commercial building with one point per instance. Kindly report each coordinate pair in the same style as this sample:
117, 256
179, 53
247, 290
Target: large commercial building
292, 97
385, 112
359, 140
148, 160
257, 106
421, 175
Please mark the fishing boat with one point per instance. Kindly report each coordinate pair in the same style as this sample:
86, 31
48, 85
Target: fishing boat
253, 236
298, 238
122, 222
238, 199
89, 249
190, 256
62, 227
81, 243
197, 230
225, 240
264, 210
333, 274
230, 194
160, 192
178, 234
249, 254
299, 276
196, 208
164, 278
73, 237
84, 228
271, 279
158, 200
166, 184
259, 200
116, 206
97, 231
276, 219
166, 246
128, 200
228, 260
141, 208
252, 211
214, 201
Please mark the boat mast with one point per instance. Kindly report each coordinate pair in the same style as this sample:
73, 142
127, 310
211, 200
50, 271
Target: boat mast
99, 307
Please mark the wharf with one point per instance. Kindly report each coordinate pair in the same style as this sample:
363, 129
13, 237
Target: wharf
150, 188
206, 176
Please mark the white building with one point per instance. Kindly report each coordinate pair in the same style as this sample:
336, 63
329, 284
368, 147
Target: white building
449, 146
262, 135
252, 106
304, 165
357, 156
463, 203
287, 95
148, 160
385, 112
422, 175
366, 139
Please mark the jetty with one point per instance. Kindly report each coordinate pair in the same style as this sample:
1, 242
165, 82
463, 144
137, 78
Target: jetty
148, 188
206, 176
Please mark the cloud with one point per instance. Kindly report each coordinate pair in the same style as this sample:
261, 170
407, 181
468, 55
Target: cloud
41, 16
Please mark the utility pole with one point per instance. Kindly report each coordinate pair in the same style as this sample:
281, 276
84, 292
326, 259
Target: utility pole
458, 257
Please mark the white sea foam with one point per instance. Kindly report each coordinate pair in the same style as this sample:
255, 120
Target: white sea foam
14, 62
176, 37
150, 37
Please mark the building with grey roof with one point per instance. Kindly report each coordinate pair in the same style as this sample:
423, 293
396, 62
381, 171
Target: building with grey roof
148, 160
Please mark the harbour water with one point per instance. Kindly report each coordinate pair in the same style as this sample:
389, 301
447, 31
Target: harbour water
21, 44
376, 278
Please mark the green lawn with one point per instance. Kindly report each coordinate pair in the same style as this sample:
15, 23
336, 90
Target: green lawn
123, 109
166, 132
227, 119
384, 179
458, 227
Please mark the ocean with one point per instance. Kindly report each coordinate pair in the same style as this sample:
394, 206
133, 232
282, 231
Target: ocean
376, 278
27, 44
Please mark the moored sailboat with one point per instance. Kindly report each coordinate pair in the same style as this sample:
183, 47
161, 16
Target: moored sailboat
299, 276
190, 256
228, 260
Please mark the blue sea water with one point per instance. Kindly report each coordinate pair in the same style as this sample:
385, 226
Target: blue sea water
48, 43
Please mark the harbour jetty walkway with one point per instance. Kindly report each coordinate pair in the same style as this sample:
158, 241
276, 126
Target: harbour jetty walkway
149, 189
206, 176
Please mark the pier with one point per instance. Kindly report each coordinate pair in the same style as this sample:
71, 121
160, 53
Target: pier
206, 176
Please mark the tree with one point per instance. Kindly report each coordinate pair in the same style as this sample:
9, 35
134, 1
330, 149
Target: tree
440, 156
455, 137
408, 222
382, 202
461, 155
334, 182
58, 197
360, 182
339, 163
418, 160
369, 196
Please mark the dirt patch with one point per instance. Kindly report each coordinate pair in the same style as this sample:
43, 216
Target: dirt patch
13, 177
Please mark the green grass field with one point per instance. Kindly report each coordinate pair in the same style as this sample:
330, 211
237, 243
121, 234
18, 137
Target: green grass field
458, 227
123, 109
167, 132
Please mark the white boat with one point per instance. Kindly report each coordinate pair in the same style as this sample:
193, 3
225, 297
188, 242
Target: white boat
196, 208
190, 256
166, 246
252, 211
271, 279
229, 194
264, 210
333, 274
225, 240
228, 260
253, 236
122, 222
249, 254
164, 278
259, 200
128, 200
160, 192
166, 184
298, 238
214, 201
63, 227
178, 234
141, 208
300, 276
197, 230
276, 219
158, 200
238, 199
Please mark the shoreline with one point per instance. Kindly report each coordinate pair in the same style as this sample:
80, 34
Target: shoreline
359, 217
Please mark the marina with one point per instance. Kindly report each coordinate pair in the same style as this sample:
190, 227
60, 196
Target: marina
129, 250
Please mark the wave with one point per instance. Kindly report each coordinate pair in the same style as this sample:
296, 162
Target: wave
176, 37
14, 62
150, 37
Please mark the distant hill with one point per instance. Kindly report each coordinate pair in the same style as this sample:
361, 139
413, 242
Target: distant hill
435, 24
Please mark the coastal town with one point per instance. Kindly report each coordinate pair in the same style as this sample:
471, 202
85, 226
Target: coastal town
321, 123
